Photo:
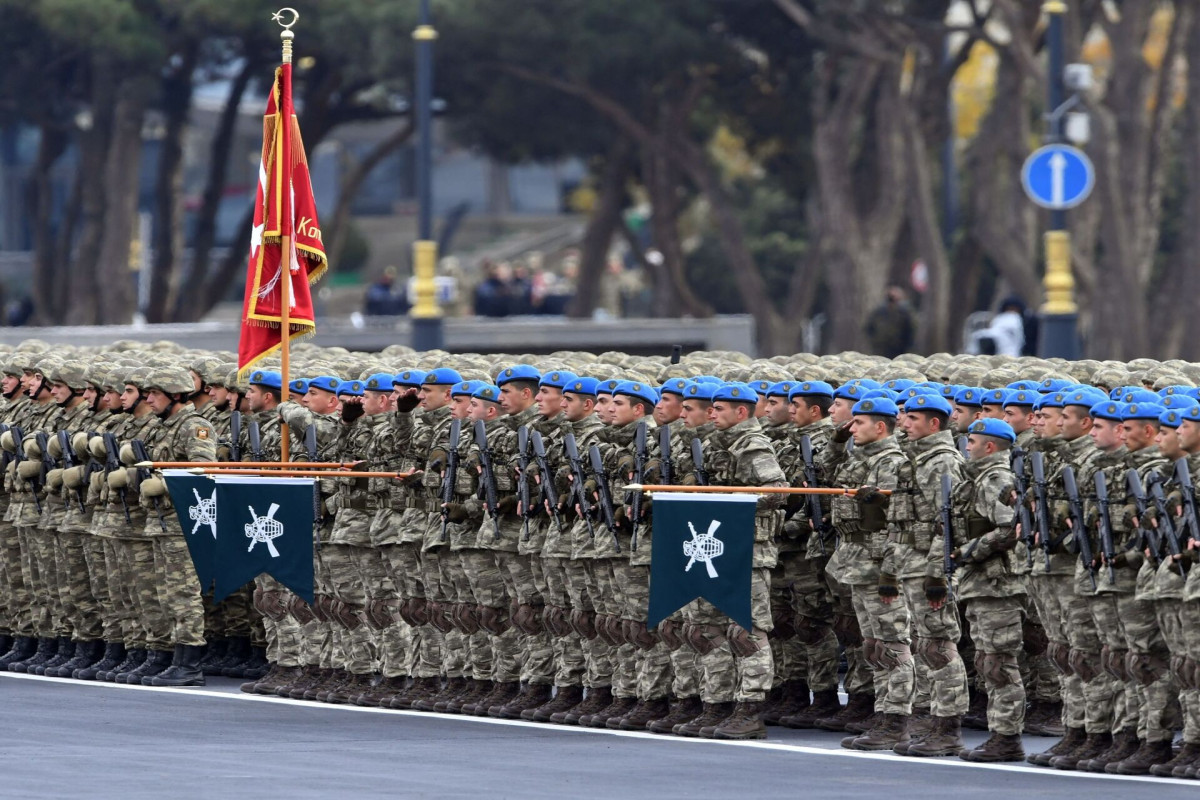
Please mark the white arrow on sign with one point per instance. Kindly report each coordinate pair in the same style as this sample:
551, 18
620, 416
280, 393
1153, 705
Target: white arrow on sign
1058, 168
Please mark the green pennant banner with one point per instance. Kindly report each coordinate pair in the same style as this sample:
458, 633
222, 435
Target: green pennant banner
195, 500
703, 547
265, 525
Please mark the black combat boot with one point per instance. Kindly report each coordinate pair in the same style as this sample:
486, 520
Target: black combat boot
156, 661
114, 654
184, 670
64, 653
214, 653
237, 652
24, 647
46, 648
86, 654
133, 659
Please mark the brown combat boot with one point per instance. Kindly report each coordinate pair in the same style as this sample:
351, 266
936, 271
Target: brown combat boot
1147, 756
1045, 719
943, 739
744, 723
351, 689
420, 689
976, 716
825, 703
502, 695
1093, 745
891, 730
1124, 744
682, 710
455, 688
304, 673
566, 698
429, 702
619, 707
480, 692
793, 698
267, 683
711, 715
859, 727
1000, 747
598, 699
382, 693
534, 695
919, 725
1183, 759
332, 683
1071, 739
645, 712
316, 677
858, 707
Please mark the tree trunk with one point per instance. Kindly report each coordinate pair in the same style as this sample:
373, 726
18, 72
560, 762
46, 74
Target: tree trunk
597, 237
177, 88
49, 298
117, 296
189, 304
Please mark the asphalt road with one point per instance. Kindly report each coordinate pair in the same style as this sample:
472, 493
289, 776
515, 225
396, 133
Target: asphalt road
65, 739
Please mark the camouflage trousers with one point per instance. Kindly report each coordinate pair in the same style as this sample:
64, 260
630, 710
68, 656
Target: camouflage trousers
654, 667
581, 590
1068, 625
1173, 621
39, 570
282, 635
231, 617
353, 642
490, 590
886, 648
814, 647
996, 630
939, 672
435, 648
179, 590
17, 600
1110, 702
477, 646
725, 677
613, 582
1189, 617
1147, 664
521, 576
401, 642
569, 662
120, 612
756, 671
81, 553
718, 668
859, 678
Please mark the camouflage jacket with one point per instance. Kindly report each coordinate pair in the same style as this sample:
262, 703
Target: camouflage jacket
499, 533
327, 427
912, 513
862, 531
1146, 461
1081, 454
1113, 466
617, 453
184, 436
586, 432
109, 518
353, 506
987, 560
743, 456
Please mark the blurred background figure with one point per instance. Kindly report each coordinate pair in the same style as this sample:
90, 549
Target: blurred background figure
891, 327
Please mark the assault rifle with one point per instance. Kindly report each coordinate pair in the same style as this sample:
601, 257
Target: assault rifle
141, 456
602, 489
1104, 524
1083, 545
816, 514
947, 516
586, 510
1023, 516
487, 478
451, 476
548, 490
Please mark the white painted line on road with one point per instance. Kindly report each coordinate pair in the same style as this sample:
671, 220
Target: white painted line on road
754, 745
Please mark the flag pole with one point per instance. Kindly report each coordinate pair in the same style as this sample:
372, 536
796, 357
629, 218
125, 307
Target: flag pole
285, 320
639, 487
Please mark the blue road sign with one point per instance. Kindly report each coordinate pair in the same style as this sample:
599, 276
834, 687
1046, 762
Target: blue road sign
1058, 176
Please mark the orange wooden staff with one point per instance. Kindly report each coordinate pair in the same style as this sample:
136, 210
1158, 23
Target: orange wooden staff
258, 465
300, 473
648, 487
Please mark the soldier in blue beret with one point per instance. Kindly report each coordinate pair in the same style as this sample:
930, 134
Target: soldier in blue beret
411, 378
670, 400
584, 387
442, 376
1018, 413
460, 398
992, 428
298, 387
968, 407
549, 397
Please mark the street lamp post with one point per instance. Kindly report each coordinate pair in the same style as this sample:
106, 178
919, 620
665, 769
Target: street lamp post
426, 315
1059, 332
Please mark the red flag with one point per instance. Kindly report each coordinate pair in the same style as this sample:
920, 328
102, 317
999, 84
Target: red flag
283, 209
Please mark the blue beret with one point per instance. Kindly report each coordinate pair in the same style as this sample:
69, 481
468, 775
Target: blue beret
675, 386
410, 377
1021, 397
876, 407
1191, 413
520, 372
486, 391
995, 397
1170, 418
1167, 391
638, 390
466, 388
850, 391
1194, 394
1052, 385
1054, 400
949, 390
1143, 410
352, 388
735, 393
1024, 386
299, 386
442, 376
1140, 395
326, 383
993, 427
1084, 397
1176, 401
607, 387
781, 389
899, 384
713, 379
969, 396
272, 380
700, 391
760, 386
584, 386
876, 394
1112, 410
1116, 393
929, 402
811, 389
866, 383
558, 379
919, 389
379, 382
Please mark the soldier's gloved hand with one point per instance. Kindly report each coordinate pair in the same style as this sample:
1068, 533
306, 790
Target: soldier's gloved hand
73, 477
127, 456
457, 512
438, 459
54, 479
31, 448
96, 447
224, 453
841, 434
687, 479
935, 590
889, 587
406, 402
794, 504
507, 504
118, 479
28, 470
652, 472
54, 447
870, 496
626, 464
415, 479
351, 411
154, 487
